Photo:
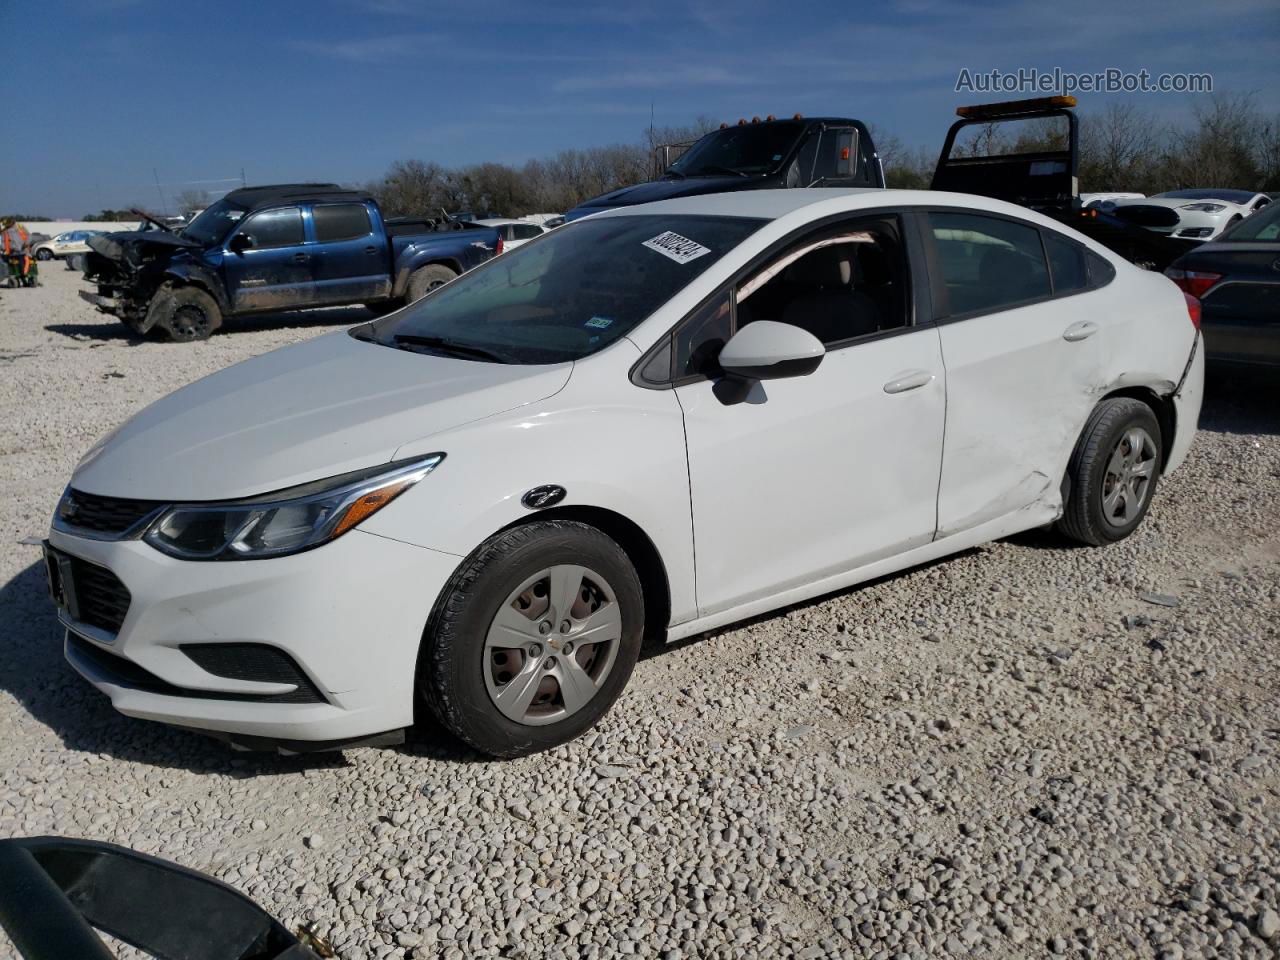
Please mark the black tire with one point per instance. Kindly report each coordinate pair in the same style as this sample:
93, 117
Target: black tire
75, 262
451, 676
1084, 517
44, 253
185, 314
425, 279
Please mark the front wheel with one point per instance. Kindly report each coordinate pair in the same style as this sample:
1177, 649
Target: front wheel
1112, 473
185, 313
534, 639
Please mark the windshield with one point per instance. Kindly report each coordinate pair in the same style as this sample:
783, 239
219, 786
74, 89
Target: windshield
1263, 226
566, 294
214, 223
1231, 196
758, 148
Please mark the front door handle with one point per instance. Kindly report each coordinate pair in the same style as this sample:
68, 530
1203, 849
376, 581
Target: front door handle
300, 258
908, 380
1080, 330
371, 250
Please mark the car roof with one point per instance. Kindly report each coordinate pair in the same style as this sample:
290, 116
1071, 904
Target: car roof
254, 197
775, 204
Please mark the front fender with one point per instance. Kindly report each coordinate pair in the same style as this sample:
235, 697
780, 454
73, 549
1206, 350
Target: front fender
199, 275
627, 457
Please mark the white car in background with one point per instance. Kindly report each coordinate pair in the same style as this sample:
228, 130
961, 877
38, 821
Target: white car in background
514, 233
64, 244
481, 504
1106, 200
1199, 214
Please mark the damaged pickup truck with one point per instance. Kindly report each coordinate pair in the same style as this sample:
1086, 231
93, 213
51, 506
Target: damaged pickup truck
276, 248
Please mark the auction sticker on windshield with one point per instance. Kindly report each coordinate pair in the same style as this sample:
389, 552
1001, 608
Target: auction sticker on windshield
675, 247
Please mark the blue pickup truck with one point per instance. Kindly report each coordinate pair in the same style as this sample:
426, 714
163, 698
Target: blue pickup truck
275, 248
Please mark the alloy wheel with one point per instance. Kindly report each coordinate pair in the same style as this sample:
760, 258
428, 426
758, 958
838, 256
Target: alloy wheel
1127, 482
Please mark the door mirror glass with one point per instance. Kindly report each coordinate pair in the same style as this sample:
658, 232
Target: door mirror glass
768, 350
240, 242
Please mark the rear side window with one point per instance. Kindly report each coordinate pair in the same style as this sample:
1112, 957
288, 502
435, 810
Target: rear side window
275, 228
988, 264
341, 221
1066, 264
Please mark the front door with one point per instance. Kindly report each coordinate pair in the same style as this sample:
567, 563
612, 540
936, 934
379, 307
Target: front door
270, 266
808, 477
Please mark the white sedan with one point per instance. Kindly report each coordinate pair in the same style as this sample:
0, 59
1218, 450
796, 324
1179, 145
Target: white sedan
1201, 214
482, 503
514, 233
64, 244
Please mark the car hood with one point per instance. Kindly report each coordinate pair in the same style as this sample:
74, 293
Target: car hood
305, 412
665, 190
114, 245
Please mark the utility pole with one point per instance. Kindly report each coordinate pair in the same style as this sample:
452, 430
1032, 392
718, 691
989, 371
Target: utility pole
242, 180
163, 207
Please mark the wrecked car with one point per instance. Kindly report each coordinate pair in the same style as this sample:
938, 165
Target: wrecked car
480, 505
275, 248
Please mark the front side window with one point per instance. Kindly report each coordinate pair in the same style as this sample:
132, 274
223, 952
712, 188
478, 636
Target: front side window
571, 294
340, 221
275, 228
843, 283
525, 231
987, 263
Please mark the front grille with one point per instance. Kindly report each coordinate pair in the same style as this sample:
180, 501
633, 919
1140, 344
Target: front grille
1146, 215
255, 661
98, 514
126, 673
102, 600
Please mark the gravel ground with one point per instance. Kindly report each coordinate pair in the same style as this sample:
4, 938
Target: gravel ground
1020, 751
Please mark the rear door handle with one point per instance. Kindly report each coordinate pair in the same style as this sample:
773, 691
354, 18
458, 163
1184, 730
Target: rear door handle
1080, 330
908, 380
300, 258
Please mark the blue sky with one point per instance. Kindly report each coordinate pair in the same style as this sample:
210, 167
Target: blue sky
338, 89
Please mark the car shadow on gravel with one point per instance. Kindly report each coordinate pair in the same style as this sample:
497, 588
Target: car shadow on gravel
113, 332
1241, 399
34, 672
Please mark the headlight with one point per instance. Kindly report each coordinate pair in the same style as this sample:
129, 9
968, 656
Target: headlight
288, 521
1205, 207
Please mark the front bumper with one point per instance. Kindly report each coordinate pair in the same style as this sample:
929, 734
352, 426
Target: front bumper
350, 614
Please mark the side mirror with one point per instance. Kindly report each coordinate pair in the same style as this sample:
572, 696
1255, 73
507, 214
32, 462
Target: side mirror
240, 243
768, 350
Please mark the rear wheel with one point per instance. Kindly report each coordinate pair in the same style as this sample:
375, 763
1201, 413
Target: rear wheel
185, 313
425, 279
44, 253
1112, 473
535, 638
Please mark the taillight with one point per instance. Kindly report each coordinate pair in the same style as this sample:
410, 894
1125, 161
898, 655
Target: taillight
1193, 309
498, 249
1194, 282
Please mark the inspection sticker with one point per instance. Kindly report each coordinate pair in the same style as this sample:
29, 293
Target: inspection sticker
599, 323
675, 247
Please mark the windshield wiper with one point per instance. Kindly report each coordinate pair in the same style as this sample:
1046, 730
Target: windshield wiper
716, 168
407, 341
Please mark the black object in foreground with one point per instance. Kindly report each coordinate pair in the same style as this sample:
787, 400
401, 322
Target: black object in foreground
55, 891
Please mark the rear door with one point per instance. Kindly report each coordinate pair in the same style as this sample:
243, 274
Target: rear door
1023, 350
271, 267
351, 258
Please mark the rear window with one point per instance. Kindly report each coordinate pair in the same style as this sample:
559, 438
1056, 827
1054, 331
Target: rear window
988, 264
1066, 264
340, 221
574, 292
